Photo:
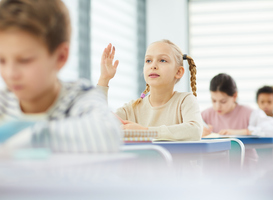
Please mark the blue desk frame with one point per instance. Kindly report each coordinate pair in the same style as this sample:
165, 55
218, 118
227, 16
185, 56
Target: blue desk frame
258, 140
203, 146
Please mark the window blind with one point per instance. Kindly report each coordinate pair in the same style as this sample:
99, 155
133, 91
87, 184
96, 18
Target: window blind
116, 22
234, 37
70, 71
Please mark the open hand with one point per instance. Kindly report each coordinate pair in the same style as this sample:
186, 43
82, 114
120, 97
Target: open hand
108, 69
227, 132
207, 130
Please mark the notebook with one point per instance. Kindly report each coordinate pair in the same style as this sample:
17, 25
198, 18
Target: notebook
139, 135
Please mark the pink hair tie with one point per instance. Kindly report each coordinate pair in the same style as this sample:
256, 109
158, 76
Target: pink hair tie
142, 95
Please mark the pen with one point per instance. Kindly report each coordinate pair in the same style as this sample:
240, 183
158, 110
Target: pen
121, 120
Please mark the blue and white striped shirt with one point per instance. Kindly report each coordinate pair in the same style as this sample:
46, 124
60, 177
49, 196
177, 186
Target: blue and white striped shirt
79, 121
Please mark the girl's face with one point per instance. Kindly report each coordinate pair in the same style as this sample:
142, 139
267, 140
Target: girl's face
222, 103
160, 68
26, 66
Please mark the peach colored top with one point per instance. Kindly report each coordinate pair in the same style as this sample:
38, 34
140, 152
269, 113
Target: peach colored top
238, 118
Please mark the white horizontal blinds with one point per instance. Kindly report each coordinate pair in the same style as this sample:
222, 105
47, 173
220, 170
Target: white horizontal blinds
70, 70
116, 22
234, 37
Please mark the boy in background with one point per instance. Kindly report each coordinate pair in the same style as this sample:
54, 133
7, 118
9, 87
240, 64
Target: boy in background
264, 99
34, 46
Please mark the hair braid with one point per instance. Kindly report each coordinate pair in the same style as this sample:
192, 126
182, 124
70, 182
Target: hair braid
147, 89
192, 68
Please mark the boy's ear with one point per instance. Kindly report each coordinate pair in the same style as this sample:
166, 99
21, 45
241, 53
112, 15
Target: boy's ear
235, 96
62, 53
180, 72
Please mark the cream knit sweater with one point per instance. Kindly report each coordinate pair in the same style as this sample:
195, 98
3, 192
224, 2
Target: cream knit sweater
178, 119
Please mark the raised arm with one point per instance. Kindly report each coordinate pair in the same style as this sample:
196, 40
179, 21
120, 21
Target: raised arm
108, 69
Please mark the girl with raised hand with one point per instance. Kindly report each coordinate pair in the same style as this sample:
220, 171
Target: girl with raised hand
174, 115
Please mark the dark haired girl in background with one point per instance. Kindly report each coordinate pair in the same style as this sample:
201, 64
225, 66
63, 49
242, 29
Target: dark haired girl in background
227, 117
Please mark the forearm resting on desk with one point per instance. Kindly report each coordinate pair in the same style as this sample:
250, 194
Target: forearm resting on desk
179, 132
235, 132
86, 134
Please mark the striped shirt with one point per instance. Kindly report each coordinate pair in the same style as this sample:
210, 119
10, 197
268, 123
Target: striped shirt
79, 121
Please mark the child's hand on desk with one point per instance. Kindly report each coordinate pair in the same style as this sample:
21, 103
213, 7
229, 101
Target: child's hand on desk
108, 69
207, 130
132, 125
227, 132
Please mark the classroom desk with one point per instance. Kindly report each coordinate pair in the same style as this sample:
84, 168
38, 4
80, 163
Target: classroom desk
152, 150
250, 142
207, 146
100, 176
257, 142
70, 183
258, 150
208, 154
194, 147
59, 160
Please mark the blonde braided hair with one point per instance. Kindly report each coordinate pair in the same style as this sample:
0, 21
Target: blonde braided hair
147, 89
192, 68
179, 60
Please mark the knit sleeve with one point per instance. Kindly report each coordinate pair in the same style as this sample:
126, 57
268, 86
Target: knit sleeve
90, 127
104, 90
125, 111
121, 112
190, 129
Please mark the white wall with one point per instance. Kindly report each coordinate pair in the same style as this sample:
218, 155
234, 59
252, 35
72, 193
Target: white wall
169, 20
